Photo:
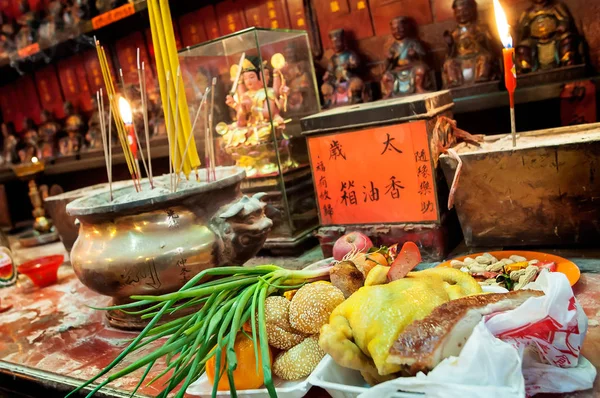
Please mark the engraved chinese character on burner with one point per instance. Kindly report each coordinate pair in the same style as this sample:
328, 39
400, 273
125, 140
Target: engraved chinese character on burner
142, 272
388, 145
394, 188
335, 151
172, 218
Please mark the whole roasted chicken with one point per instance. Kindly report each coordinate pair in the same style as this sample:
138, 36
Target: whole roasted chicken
363, 328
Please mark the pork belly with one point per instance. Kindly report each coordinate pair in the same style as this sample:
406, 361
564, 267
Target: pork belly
425, 343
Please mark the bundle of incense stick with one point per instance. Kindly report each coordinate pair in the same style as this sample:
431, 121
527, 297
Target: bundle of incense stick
106, 139
114, 107
175, 107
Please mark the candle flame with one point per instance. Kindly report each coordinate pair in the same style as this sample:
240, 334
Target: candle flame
503, 26
125, 110
34, 160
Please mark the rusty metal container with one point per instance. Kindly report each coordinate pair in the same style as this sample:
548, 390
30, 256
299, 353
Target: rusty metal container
375, 170
543, 192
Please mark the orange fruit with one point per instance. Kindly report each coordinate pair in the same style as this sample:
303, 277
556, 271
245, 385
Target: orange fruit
245, 376
377, 258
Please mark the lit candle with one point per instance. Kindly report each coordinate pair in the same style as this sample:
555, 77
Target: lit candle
508, 55
127, 117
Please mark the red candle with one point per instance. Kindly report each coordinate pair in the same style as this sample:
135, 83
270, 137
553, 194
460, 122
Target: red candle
510, 73
131, 140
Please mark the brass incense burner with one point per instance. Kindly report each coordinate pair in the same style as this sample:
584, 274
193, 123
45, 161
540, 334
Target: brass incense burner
142, 243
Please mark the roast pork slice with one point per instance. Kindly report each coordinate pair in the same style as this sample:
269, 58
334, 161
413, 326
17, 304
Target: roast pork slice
425, 343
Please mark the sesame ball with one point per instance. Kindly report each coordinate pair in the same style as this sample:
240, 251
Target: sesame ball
299, 361
279, 331
312, 305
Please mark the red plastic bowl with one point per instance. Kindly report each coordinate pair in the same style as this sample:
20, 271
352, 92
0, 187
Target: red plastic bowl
42, 271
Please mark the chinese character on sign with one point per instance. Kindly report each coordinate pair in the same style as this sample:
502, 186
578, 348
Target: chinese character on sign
328, 210
372, 194
426, 207
335, 151
348, 195
320, 166
324, 195
423, 171
424, 188
394, 188
421, 156
389, 146
323, 182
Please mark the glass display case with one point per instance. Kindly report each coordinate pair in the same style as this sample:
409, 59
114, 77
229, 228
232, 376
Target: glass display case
263, 83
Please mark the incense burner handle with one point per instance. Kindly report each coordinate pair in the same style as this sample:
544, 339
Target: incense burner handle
243, 228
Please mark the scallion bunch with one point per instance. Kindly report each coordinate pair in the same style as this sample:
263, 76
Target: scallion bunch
235, 297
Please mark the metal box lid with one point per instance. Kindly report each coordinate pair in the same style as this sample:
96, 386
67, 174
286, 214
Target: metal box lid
396, 110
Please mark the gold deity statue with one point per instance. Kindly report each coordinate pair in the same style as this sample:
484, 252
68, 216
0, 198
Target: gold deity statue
258, 109
546, 37
471, 57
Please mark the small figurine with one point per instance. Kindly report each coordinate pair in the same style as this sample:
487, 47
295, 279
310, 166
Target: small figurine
341, 85
9, 147
257, 114
297, 73
48, 131
52, 23
471, 57
93, 138
74, 127
546, 37
406, 69
27, 33
28, 147
7, 33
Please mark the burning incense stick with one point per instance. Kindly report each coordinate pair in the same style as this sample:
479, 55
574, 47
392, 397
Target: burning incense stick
177, 122
169, 138
135, 136
167, 61
142, 78
210, 127
100, 104
113, 108
187, 144
109, 143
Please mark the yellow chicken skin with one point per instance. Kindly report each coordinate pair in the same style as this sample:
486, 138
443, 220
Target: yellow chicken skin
362, 329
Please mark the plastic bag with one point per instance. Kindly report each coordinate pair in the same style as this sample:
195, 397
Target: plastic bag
536, 349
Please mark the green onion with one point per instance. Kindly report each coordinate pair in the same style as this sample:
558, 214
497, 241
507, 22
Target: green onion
227, 303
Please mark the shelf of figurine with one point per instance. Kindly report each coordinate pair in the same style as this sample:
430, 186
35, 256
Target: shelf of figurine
472, 63
37, 30
407, 67
256, 139
342, 84
548, 46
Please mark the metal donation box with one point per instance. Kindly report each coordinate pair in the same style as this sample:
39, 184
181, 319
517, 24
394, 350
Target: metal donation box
375, 170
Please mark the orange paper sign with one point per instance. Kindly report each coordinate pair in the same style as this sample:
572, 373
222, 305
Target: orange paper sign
29, 50
376, 175
113, 15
